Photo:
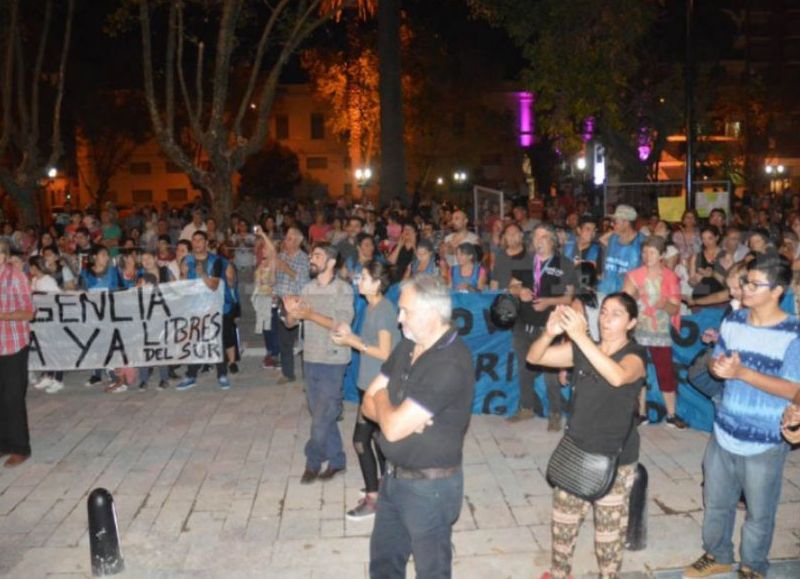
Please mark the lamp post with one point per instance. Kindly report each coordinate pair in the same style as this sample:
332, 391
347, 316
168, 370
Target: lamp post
777, 175
363, 176
459, 180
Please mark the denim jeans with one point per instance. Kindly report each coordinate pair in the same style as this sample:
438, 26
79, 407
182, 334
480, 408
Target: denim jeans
146, 371
415, 517
324, 384
727, 475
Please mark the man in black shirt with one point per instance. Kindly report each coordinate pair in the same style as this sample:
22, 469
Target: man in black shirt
551, 283
422, 401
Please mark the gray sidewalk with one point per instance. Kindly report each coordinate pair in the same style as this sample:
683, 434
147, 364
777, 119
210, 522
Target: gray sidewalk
206, 484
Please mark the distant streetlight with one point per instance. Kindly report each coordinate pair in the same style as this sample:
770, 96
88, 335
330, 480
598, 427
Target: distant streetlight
460, 177
440, 181
581, 163
363, 175
769, 169
52, 172
780, 169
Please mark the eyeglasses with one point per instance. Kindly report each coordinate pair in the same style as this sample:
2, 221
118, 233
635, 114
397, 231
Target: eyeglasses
752, 286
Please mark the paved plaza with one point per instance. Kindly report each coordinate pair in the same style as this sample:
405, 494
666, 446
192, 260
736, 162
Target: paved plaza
206, 484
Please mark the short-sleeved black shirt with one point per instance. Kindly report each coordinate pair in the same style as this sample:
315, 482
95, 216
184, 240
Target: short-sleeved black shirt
557, 273
602, 414
442, 380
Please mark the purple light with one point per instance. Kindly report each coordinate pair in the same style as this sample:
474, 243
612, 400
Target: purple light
645, 144
588, 129
525, 102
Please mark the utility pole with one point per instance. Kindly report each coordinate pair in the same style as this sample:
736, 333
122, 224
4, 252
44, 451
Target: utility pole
689, 106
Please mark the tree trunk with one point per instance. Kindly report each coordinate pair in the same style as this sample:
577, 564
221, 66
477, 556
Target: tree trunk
24, 198
393, 163
221, 194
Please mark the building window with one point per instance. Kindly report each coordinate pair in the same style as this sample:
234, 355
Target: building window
139, 169
281, 127
177, 195
317, 163
733, 129
317, 126
172, 167
348, 162
142, 196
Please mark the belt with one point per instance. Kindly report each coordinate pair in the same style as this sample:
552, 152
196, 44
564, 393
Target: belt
421, 473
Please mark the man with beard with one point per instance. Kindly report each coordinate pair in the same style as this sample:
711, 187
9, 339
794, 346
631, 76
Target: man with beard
326, 301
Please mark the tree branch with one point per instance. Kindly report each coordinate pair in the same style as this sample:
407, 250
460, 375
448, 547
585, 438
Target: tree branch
225, 42
169, 73
56, 146
254, 72
37, 71
8, 75
187, 100
300, 33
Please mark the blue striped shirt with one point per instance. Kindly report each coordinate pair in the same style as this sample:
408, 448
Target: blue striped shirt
748, 419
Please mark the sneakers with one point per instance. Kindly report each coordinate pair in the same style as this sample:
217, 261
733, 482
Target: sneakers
522, 414
554, 422
224, 383
746, 572
186, 383
93, 381
163, 384
43, 383
117, 387
284, 380
366, 508
268, 363
143, 386
55, 386
233, 368
706, 566
675, 422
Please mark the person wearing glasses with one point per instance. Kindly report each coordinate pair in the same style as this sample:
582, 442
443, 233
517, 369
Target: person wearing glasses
758, 356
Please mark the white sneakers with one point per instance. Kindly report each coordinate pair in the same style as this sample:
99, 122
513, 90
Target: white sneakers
49, 385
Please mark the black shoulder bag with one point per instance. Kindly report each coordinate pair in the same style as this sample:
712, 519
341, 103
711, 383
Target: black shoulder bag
587, 475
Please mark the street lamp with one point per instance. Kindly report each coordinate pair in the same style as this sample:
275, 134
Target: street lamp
363, 175
52, 172
581, 163
460, 177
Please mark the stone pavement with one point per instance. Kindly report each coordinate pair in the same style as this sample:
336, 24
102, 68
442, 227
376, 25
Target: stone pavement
206, 484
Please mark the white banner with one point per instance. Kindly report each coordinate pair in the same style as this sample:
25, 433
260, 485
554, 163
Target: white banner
708, 200
171, 323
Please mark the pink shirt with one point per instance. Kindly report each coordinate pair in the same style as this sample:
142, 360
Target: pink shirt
15, 296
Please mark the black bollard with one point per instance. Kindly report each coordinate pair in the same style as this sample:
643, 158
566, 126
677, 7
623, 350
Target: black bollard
103, 534
636, 538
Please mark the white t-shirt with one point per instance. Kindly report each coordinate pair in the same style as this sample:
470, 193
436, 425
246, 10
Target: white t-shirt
190, 229
46, 283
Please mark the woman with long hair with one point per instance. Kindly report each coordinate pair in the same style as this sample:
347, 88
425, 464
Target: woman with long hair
607, 377
378, 336
468, 274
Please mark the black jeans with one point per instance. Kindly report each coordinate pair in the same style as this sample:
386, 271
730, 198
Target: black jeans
370, 457
286, 339
524, 336
14, 435
415, 517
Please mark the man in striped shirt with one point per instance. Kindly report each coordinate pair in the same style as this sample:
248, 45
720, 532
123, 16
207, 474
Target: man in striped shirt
16, 310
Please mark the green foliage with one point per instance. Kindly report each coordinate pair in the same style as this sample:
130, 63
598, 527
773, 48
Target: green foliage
270, 173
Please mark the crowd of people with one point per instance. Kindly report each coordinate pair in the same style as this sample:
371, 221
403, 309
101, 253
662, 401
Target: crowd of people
597, 300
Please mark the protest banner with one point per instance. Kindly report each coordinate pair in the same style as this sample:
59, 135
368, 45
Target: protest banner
173, 323
496, 389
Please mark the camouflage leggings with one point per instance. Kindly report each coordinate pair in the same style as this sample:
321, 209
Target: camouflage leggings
610, 526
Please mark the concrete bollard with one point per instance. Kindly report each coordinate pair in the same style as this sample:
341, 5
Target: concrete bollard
636, 537
103, 535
